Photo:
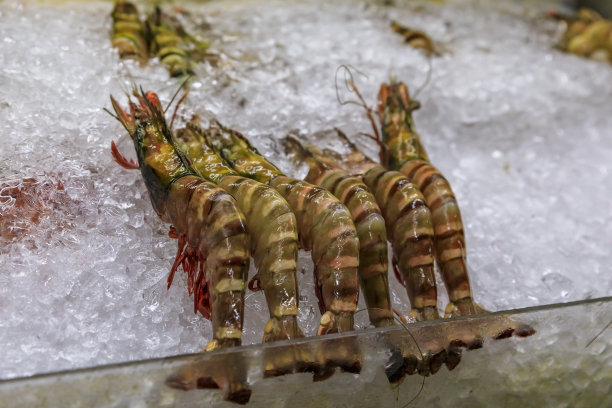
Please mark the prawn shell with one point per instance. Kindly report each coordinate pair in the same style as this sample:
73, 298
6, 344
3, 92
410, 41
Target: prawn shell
159, 164
395, 111
326, 228
215, 227
372, 234
168, 43
273, 229
205, 217
400, 139
410, 230
449, 238
128, 33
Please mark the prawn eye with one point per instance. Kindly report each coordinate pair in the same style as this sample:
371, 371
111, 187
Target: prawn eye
154, 99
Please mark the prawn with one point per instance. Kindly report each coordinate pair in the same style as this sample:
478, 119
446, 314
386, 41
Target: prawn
370, 227
410, 232
401, 147
213, 240
408, 224
587, 34
171, 44
325, 228
418, 246
128, 34
416, 39
402, 150
273, 228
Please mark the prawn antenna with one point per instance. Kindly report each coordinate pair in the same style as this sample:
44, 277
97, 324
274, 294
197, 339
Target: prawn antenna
125, 67
598, 335
427, 79
177, 106
111, 113
416, 343
402, 322
183, 85
349, 83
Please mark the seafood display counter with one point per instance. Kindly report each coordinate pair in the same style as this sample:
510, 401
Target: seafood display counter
230, 106
566, 364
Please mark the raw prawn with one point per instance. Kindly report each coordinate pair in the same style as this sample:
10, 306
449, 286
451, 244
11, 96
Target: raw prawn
273, 229
409, 228
401, 150
416, 39
400, 200
324, 224
370, 228
408, 224
213, 239
171, 44
128, 34
325, 228
587, 34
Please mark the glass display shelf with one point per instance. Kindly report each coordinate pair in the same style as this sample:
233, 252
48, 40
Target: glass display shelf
566, 362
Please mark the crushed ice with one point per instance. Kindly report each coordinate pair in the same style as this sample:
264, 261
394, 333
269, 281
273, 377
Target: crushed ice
520, 130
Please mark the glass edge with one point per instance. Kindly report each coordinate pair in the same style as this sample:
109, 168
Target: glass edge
253, 347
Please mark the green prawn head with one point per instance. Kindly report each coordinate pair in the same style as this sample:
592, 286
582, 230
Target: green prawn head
400, 139
240, 154
159, 160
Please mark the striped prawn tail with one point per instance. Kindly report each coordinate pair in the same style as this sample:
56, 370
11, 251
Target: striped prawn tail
410, 230
216, 233
274, 245
372, 234
368, 220
326, 229
449, 238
